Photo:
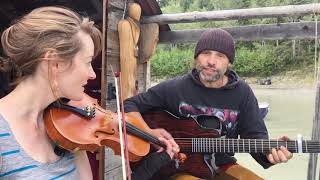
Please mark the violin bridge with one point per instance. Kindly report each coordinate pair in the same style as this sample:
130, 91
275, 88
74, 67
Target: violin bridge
107, 120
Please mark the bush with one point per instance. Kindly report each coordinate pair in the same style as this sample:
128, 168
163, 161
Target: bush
252, 59
171, 63
262, 60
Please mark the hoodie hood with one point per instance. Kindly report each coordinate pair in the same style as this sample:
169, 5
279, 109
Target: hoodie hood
233, 79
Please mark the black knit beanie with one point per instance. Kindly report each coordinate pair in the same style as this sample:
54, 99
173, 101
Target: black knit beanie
218, 40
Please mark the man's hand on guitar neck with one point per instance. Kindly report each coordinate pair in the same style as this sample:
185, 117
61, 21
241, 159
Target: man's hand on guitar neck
281, 155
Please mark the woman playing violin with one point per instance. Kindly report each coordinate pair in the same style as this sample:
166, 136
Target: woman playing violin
50, 50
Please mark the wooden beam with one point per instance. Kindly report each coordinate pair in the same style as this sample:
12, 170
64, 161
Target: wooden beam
302, 30
313, 158
148, 41
103, 82
222, 15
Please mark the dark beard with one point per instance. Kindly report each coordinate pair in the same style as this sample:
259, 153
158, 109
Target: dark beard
210, 79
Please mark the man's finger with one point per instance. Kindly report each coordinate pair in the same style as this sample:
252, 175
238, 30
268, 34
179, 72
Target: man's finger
282, 157
284, 138
287, 153
270, 158
275, 155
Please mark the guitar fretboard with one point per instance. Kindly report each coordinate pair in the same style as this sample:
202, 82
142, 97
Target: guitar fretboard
210, 145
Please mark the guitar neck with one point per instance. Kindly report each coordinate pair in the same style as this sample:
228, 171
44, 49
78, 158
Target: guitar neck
214, 145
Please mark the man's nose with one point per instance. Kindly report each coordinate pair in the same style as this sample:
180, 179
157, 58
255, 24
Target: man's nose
212, 60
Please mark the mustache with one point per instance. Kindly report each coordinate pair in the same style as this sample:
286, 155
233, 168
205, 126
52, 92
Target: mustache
212, 67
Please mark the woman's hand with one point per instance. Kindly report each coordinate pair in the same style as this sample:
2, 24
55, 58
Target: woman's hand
172, 147
159, 132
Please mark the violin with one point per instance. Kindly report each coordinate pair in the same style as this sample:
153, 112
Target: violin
84, 125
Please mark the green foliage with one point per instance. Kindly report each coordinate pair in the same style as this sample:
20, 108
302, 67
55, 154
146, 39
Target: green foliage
252, 58
170, 63
258, 61
185, 4
268, 59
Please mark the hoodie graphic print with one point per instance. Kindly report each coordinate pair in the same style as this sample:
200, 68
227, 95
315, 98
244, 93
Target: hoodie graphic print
226, 117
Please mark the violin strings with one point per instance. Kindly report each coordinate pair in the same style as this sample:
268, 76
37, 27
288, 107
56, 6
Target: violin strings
143, 134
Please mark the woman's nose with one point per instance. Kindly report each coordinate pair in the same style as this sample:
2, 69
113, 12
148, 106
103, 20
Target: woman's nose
92, 74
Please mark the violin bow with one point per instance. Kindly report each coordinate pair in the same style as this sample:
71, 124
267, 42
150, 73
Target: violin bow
122, 131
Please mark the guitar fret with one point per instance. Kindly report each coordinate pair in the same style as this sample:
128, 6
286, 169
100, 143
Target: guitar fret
305, 141
243, 145
249, 145
201, 144
216, 145
238, 145
220, 144
269, 145
205, 145
233, 145
228, 146
262, 145
255, 144
224, 145
277, 144
212, 145
287, 144
194, 145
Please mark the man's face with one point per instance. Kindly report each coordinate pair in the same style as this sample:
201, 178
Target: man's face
211, 65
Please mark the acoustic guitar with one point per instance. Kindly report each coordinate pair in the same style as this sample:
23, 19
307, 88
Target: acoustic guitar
196, 137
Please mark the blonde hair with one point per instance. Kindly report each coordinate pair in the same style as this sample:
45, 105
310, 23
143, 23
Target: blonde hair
46, 29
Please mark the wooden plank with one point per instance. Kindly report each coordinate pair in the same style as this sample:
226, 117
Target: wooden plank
313, 158
112, 166
148, 41
222, 15
117, 3
101, 154
114, 18
302, 30
140, 78
147, 44
113, 41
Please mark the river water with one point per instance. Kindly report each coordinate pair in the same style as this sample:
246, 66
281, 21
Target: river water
291, 113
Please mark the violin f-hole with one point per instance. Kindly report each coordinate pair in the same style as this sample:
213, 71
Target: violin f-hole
100, 133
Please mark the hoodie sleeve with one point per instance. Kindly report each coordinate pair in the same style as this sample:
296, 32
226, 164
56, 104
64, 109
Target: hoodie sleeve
252, 126
154, 98
150, 166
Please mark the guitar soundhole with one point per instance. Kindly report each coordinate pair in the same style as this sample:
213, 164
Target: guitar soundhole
207, 122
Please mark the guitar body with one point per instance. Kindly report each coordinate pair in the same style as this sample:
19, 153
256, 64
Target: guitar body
194, 163
196, 138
